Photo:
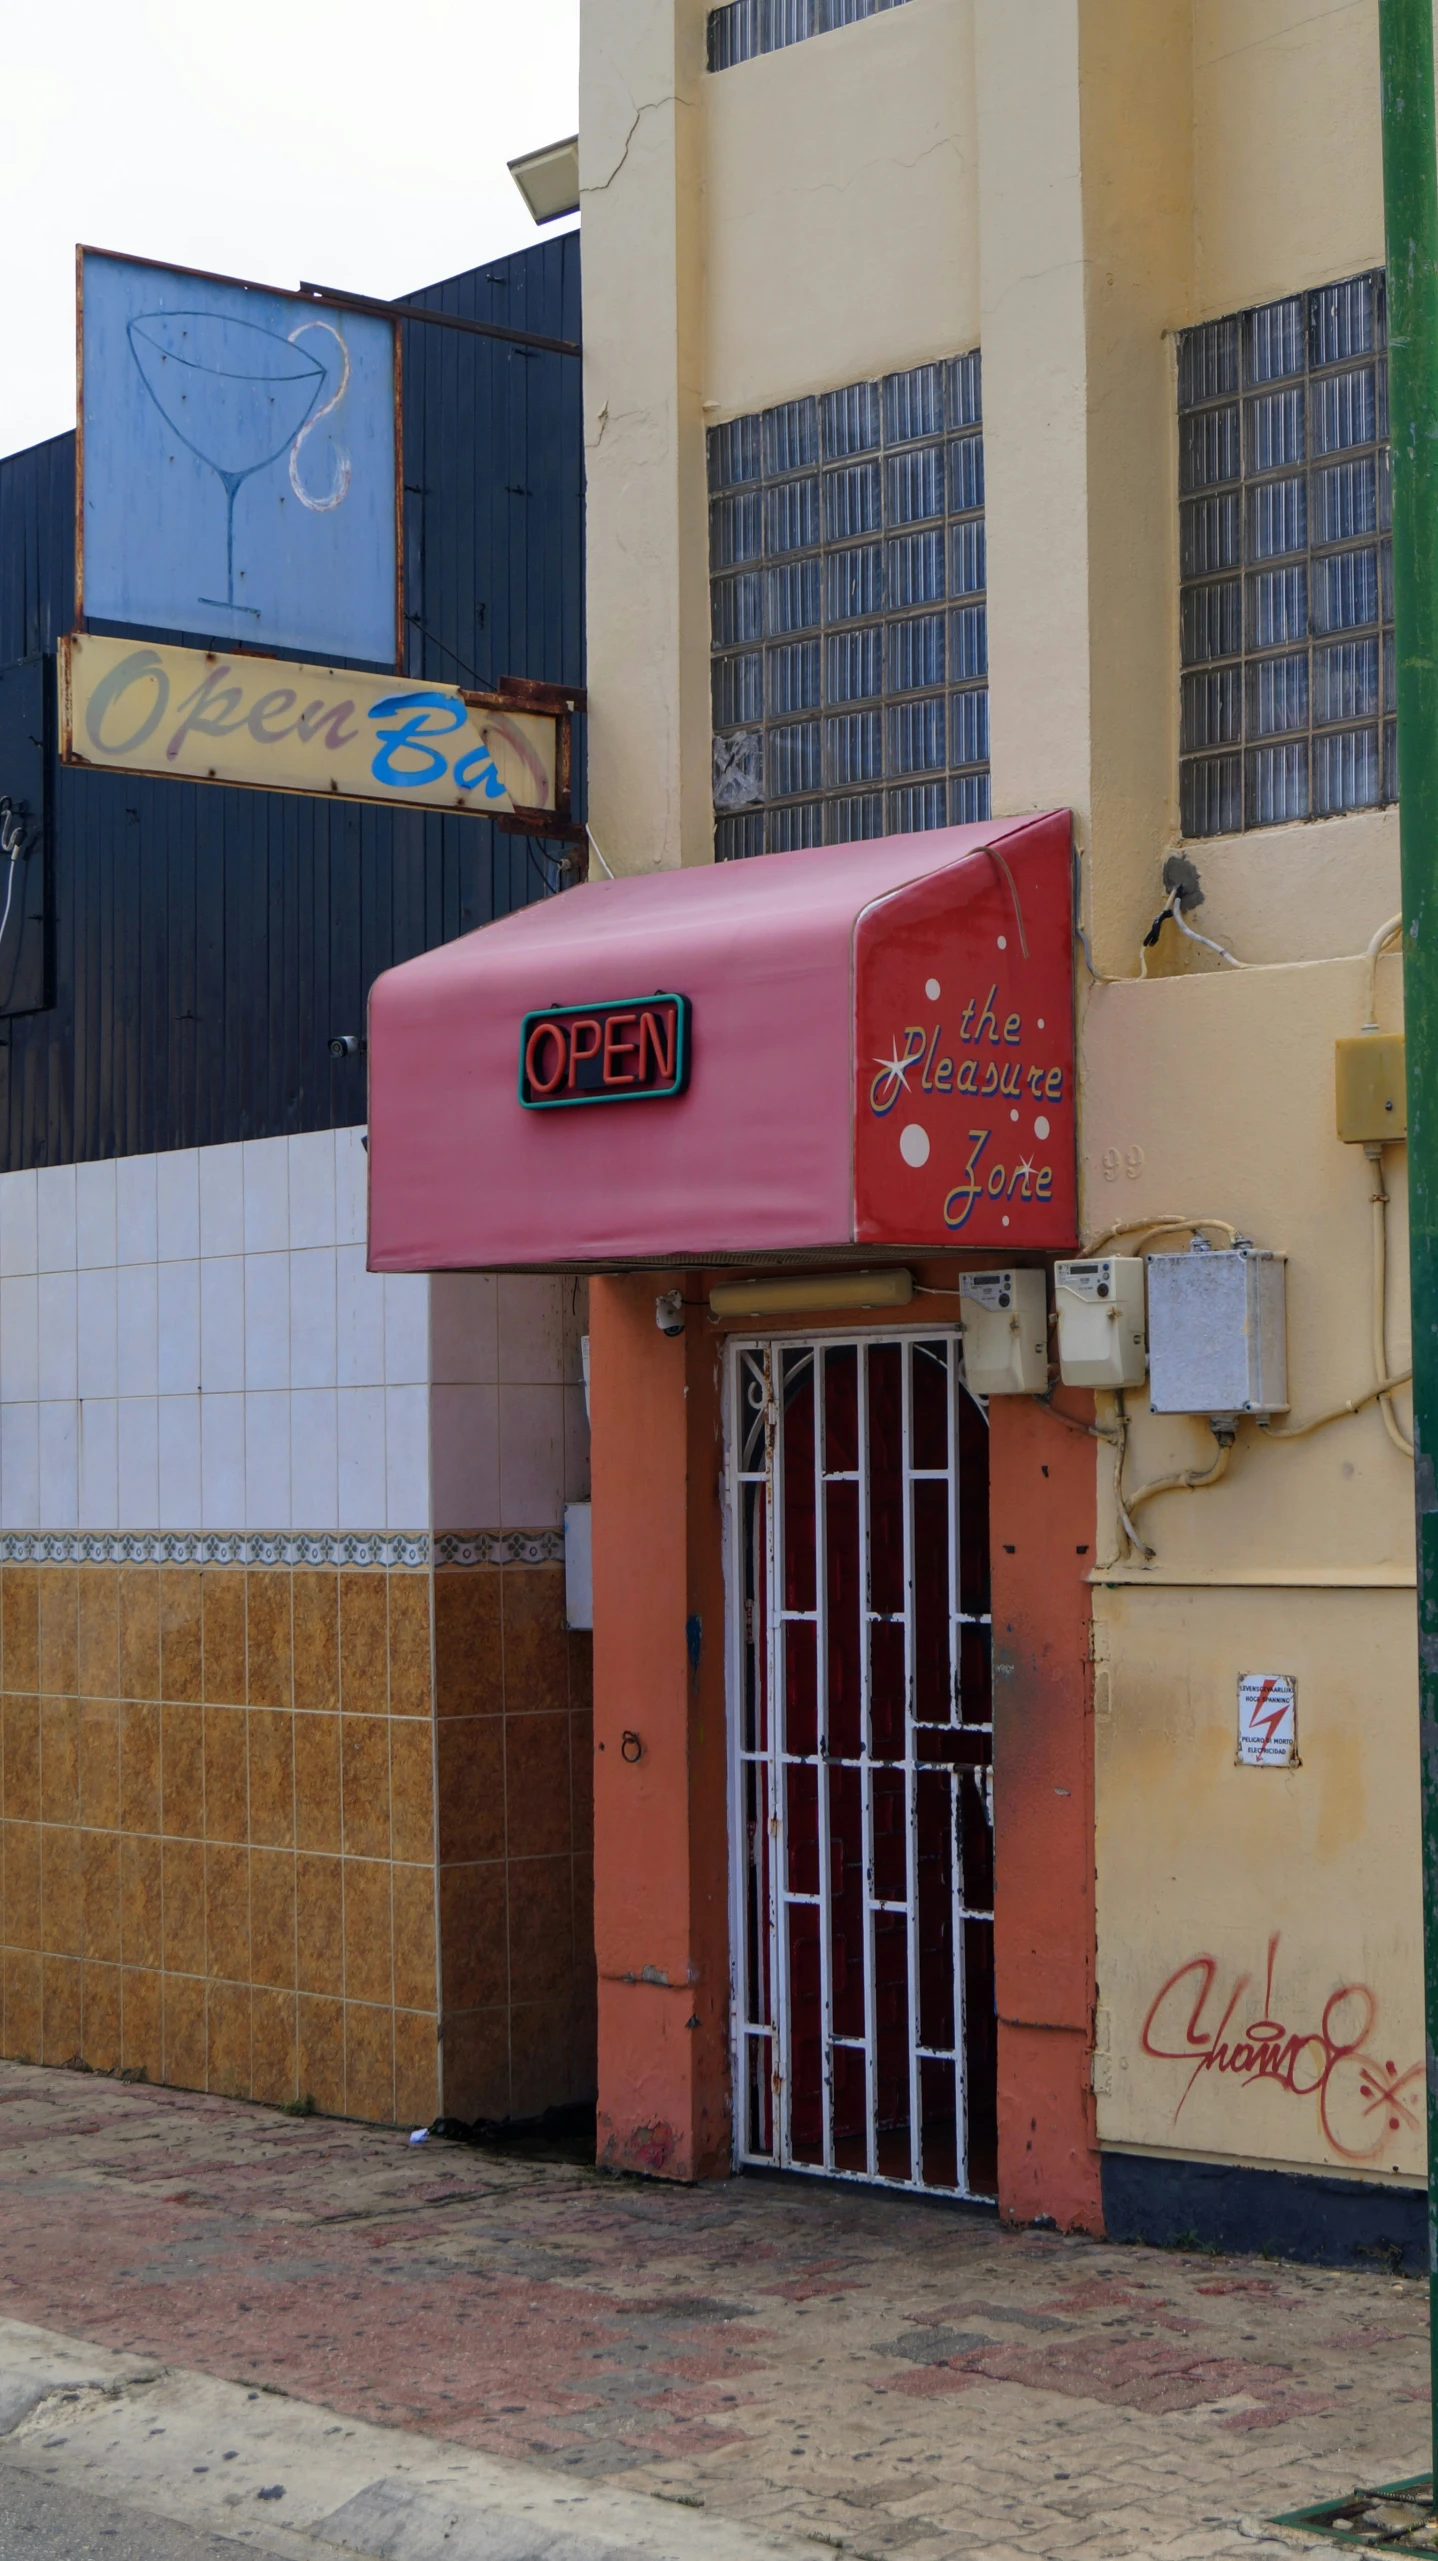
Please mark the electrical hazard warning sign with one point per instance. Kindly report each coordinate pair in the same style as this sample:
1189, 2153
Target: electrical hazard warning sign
1267, 1721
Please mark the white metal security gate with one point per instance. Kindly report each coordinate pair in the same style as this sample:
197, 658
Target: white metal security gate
861, 1821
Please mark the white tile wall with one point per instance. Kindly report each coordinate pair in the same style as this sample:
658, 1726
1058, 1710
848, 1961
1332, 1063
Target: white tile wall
406, 1453
351, 1187
406, 1329
137, 1209
266, 1178
267, 1457
59, 1466
192, 1341
178, 1287
95, 1217
312, 1316
139, 1462
507, 1423
464, 1329
99, 1493
267, 1320
312, 1189
359, 1302
222, 1323
464, 1440
97, 1318
137, 1329
360, 1438
531, 1331
531, 1456
55, 1187
19, 1214
179, 1437
59, 1338
222, 1461
177, 1184
222, 1200
20, 1466
20, 1340
314, 1457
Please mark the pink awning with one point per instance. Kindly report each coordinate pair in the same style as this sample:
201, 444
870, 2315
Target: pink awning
880, 1055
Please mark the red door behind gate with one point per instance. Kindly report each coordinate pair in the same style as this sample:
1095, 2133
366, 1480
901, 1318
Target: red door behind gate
862, 1759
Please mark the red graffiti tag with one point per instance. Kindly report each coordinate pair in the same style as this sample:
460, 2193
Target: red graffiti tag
1330, 2063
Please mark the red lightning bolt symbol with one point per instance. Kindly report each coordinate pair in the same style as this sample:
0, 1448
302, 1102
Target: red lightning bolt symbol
1275, 1717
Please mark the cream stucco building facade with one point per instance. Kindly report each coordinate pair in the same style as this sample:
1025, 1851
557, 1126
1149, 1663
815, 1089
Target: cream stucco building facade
1066, 186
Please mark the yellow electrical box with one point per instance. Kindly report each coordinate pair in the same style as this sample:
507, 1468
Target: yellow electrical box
1372, 1100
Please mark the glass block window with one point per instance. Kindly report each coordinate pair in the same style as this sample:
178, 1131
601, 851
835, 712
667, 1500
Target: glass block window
1285, 562
747, 27
849, 619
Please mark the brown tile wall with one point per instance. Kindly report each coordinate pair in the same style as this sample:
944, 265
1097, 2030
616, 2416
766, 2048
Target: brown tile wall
217, 1832
218, 1852
514, 1755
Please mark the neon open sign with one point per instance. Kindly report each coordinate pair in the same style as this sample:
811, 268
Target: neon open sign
632, 1050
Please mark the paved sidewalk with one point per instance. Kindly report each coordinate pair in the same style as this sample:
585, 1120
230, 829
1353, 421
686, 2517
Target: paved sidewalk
850, 2368
119, 2442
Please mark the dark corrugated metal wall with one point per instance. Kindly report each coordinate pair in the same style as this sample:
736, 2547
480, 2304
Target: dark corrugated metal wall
209, 942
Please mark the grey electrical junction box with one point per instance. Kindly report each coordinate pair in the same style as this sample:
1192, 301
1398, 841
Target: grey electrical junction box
1216, 1342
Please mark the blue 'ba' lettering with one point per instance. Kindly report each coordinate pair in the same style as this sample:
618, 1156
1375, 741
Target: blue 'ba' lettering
417, 720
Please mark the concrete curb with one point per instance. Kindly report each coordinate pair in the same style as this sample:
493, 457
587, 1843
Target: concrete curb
282, 2475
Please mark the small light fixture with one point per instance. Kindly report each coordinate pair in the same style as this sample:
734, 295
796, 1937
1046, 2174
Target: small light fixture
347, 1045
796, 1294
548, 180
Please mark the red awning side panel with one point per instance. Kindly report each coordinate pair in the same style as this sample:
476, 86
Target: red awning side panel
964, 1119
757, 1155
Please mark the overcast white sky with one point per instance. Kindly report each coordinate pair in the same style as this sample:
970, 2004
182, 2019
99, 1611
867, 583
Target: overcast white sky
352, 143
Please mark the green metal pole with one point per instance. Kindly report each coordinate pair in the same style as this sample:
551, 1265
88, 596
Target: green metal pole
1410, 195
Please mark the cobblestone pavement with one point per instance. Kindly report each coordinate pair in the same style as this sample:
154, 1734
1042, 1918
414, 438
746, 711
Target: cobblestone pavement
860, 2370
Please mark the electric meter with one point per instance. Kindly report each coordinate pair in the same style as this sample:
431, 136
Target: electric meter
1100, 1312
1005, 1318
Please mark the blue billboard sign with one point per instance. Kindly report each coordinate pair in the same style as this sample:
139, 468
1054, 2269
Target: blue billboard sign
239, 463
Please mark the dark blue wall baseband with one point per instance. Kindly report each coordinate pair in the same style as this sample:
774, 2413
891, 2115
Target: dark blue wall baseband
1215, 2205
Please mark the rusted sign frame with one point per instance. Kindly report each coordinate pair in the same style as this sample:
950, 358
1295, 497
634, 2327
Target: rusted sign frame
531, 338
278, 293
561, 702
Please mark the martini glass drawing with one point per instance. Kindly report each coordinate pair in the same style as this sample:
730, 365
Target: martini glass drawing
235, 393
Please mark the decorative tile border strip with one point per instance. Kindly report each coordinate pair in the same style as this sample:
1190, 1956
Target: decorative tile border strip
499, 1547
385, 1549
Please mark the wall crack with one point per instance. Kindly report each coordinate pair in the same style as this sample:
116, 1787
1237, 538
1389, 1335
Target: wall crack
648, 107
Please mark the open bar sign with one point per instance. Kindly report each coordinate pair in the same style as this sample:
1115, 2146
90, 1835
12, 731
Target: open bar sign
1267, 1721
629, 1050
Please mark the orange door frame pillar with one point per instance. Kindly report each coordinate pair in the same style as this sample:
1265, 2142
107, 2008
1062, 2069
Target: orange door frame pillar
661, 1764
1041, 1514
